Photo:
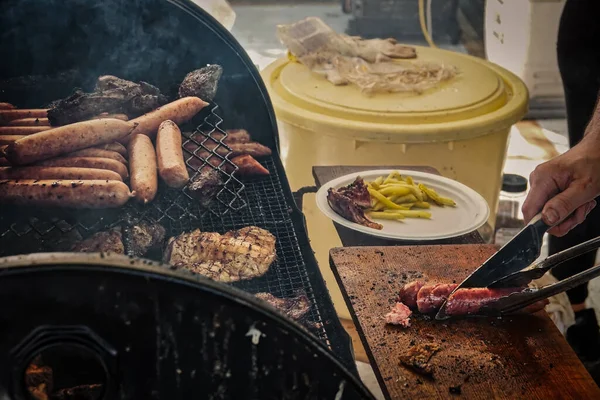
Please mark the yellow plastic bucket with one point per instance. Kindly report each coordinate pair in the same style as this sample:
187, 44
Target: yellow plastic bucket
460, 127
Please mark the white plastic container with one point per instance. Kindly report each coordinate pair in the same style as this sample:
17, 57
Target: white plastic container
520, 35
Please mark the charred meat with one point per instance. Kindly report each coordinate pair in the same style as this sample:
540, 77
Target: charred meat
111, 95
347, 208
417, 358
102, 242
399, 315
243, 254
294, 307
357, 192
143, 237
202, 83
205, 186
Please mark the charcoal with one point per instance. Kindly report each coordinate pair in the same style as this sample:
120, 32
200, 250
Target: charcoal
202, 82
205, 186
111, 95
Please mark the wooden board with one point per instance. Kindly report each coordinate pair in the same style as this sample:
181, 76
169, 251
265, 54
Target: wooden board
513, 357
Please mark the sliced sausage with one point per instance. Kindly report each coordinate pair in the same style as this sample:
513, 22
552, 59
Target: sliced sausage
114, 146
22, 130
94, 152
180, 111
32, 172
66, 139
87, 162
29, 122
169, 154
9, 115
64, 193
142, 162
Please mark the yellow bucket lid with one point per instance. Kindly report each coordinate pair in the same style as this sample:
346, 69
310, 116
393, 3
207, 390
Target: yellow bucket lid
482, 98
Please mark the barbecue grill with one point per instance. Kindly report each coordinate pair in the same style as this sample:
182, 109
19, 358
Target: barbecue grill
54, 46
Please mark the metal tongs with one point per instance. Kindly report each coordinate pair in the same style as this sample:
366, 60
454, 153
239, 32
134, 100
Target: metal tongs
512, 267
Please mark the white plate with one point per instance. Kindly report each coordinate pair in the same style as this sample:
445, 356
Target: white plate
470, 213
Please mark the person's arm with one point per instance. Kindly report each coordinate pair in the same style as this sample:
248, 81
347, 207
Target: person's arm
565, 187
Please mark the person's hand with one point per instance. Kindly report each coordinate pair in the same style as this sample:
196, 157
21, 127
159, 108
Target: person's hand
565, 187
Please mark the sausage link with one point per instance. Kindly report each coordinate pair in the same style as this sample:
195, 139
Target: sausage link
64, 193
122, 117
29, 122
59, 173
8, 139
142, 161
169, 154
66, 139
9, 115
87, 162
6, 106
22, 130
114, 146
94, 152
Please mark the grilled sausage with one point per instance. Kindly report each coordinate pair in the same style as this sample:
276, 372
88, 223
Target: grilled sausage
94, 152
87, 162
66, 139
9, 115
169, 154
142, 161
8, 139
22, 130
180, 111
29, 122
122, 117
58, 173
254, 149
64, 193
114, 146
6, 106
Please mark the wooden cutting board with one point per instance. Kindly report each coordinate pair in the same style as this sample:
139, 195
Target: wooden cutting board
517, 357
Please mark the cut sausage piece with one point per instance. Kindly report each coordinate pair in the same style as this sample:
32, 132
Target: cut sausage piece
58, 173
87, 162
22, 130
114, 146
169, 154
8, 139
431, 297
66, 139
142, 161
6, 106
64, 193
29, 122
94, 152
180, 111
9, 115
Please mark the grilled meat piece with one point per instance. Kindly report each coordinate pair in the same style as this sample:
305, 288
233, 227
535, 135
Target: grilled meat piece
243, 254
111, 95
408, 294
101, 242
348, 209
202, 82
399, 315
431, 297
205, 186
143, 237
81, 392
417, 358
293, 307
357, 192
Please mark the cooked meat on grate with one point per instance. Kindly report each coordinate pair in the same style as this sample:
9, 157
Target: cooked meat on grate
243, 254
102, 242
348, 209
111, 95
205, 186
143, 237
293, 307
202, 82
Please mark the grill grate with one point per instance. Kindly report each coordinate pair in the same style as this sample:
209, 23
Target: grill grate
265, 206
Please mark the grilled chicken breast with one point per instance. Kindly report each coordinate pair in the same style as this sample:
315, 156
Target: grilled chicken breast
236, 255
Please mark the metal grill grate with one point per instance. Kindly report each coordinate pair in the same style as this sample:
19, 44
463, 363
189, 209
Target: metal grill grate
265, 206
